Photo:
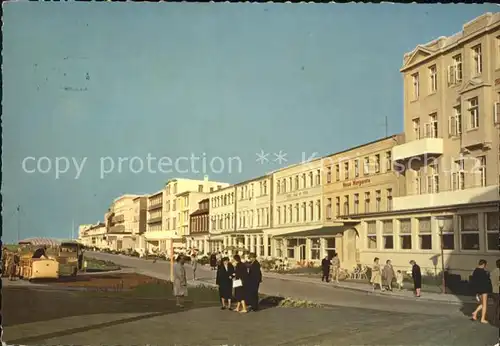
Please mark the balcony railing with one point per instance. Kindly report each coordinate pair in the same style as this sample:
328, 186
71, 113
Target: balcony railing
154, 220
117, 229
155, 206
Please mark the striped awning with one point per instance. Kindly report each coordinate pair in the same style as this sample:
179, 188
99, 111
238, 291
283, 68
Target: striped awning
40, 242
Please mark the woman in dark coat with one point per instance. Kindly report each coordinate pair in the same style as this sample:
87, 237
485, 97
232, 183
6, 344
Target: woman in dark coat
481, 283
213, 261
224, 280
240, 274
416, 274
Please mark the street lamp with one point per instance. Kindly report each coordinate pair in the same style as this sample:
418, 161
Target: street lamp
441, 227
172, 257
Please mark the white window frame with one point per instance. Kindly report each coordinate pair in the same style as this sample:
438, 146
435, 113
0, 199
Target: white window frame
378, 201
329, 206
433, 79
416, 128
377, 163
490, 231
371, 235
455, 70
346, 170
418, 183
431, 128
367, 202
366, 166
346, 205
477, 58
415, 79
455, 124
496, 113
388, 161
461, 231
458, 176
329, 174
433, 178
473, 113
356, 203
421, 233
356, 168
481, 170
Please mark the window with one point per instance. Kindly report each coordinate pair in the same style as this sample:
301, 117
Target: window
377, 163
318, 209
311, 179
415, 85
290, 247
433, 177
337, 172
356, 168
296, 182
371, 231
366, 166
175, 188
367, 202
433, 78
346, 170
469, 232
448, 234
337, 206
416, 128
458, 176
329, 175
278, 215
318, 177
425, 233
455, 125
477, 60
388, 161
405, 234
388, 235
297, 213
304, 212
315, 248
455, 70
492, 222
200, 188
279, 247
356, 203
496, 111
264, 185
330, 247
378, 199
278, 187
304, 181
311, 211
473, 113
346, 205
389, 199
431, 128
419, 188
481, 170
329, 209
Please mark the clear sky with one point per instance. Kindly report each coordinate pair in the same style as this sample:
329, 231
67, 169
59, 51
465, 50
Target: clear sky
110, 80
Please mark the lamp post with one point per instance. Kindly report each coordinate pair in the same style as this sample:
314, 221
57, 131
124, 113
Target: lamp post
441, 227
172, 259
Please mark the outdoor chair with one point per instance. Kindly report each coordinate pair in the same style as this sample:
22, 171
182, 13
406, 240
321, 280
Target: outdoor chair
355, 272
362, 275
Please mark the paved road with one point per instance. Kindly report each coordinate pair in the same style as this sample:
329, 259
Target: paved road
323, 294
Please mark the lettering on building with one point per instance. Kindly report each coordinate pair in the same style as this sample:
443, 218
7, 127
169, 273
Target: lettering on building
357, 183
297, 194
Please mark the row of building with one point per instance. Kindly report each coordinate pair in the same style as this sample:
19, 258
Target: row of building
430, 191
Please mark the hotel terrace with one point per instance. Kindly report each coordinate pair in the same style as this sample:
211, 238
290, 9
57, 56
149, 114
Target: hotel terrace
432, 190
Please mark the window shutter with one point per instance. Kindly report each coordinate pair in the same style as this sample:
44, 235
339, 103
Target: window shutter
452, 126
496, 115
450, 74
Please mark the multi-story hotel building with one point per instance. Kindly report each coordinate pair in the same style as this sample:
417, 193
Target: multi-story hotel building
297, 220
188, 203
450, 160
177, 206
199, 226
94, 235
222, 217
155, 237
357, 182
139, 222
253, 215
119, 223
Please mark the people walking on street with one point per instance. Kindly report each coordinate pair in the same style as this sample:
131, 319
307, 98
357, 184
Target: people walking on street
180, 281
194, 264
335, 267
400, 279
219, 258
213, 261
376, 278
325, 268
481, 284
254, 280
388, 275
224, 279
240, 280
416, 275
495, 283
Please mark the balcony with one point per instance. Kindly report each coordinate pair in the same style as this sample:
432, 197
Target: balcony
155, 206
446, 198
117, 229
118, 219
154, 220
420, 147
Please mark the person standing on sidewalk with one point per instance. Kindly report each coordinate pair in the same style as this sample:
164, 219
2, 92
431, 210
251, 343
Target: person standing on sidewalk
495, 283
481, 284
325, 268
213, 261
335, 267
416, 274
254, 280
376, 278
180, 281
239, 284
388, 275
224, 280
194, 264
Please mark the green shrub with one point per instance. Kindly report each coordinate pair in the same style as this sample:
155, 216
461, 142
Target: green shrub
292, 303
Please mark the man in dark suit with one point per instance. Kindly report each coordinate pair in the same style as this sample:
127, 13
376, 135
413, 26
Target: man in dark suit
253, 282
325, 268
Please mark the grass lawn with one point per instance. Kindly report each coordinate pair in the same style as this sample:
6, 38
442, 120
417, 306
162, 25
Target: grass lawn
95, 265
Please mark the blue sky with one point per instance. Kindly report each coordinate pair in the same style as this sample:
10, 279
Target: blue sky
122, 80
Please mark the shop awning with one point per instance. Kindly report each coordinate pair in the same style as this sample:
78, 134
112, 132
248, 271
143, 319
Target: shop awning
316, 232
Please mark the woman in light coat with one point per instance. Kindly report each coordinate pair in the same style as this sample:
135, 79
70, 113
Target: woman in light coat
389, 274
376, 278
180, 281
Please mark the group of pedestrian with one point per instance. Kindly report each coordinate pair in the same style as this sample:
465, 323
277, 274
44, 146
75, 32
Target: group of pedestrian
330, 268
11, 263
384, 277
215, 260
244, 278
484, 284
